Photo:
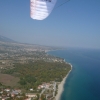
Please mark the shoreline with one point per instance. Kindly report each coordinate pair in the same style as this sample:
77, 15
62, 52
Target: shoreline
61, 85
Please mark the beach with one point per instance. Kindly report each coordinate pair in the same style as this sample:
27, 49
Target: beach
61, 86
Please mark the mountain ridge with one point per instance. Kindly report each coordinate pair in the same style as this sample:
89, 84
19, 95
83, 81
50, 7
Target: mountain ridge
5, 39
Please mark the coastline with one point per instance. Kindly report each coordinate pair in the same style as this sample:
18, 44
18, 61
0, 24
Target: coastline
61, 85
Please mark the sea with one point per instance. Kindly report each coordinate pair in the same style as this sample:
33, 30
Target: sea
83, 83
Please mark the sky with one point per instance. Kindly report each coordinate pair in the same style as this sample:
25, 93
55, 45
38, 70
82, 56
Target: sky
75, 24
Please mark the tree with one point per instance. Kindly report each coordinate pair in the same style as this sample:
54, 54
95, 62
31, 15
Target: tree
22, 82
0, 84
43, 97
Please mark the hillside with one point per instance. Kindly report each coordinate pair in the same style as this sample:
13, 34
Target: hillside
5, 39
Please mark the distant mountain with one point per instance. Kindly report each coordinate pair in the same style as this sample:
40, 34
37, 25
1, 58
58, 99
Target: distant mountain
10, 42
5, 39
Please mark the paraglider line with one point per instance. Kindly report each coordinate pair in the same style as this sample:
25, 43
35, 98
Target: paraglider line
62, 4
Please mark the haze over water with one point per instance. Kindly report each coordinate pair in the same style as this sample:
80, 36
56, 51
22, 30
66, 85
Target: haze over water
83, 83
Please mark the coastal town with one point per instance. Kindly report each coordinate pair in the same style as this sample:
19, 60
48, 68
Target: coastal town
45, 91
11, 53
16, 84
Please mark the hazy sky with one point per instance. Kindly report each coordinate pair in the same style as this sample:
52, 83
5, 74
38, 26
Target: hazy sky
75, 24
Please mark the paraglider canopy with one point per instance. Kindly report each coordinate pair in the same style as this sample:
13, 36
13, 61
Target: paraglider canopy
41, 9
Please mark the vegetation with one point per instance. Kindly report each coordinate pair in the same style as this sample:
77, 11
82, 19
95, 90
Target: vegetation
34, 73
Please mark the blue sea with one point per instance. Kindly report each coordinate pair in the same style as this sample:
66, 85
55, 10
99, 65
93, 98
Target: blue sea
83, 83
